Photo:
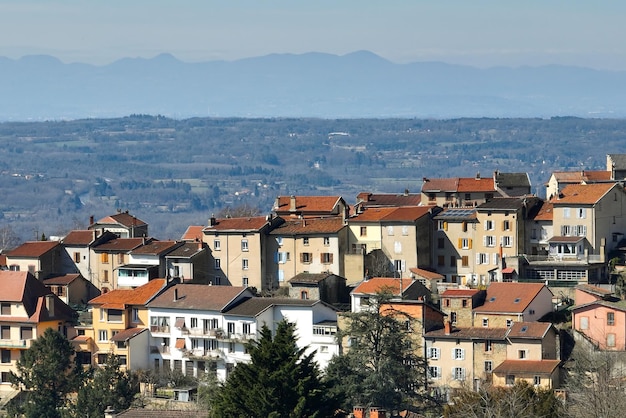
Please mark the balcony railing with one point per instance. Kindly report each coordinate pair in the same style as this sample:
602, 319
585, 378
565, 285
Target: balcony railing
565, 258
158, 328
163, 349
15, 343
201, 353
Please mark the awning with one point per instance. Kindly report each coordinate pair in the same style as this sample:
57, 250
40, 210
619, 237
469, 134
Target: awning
508, 270
180, 343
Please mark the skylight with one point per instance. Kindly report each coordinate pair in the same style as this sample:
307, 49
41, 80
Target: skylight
516, 300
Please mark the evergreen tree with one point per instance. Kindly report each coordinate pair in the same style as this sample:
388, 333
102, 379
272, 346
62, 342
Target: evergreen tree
381, 366
104, 387
47, 374
281, 381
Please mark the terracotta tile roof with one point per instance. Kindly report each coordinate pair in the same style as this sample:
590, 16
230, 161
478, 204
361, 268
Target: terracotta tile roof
440, 185
399, 214
594, 290
3, 260
32, 249
373, 199
545, 213
509, 297
187, 250
127, 334
459, 293
431, 275
237, 224
123, 218
527, 366
470, 184
533, 330
156, 247
193, 232
198, 296
161, 413
61, 280
582, 194
581, 176
309, 226
13, 285
120, 244
619, 305
79, 238
376, 284
81, 339
304, 204
469, 333
565, 239
254, 306
126, 297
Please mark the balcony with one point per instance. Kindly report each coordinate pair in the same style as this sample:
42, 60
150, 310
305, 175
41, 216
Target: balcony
163, 349
165, 329
564, 259
203, 354
15, 344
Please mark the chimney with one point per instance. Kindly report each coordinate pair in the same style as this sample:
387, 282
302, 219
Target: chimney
50, 305
358, 412
292, 203
478, 175
212, 220
406, 192
448, 327
376, 412
109, 412
200, 245
91, 220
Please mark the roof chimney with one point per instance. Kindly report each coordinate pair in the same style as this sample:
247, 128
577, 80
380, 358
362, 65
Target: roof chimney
212, 220
448, 327
91, 220
292, 203
478, 175
50, 305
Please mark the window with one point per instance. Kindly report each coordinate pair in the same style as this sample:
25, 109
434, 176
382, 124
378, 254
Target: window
405, 230
105, 277
433, 353
464, 303
194, 323
584, 322
282, 257
399, 265
6, 356
230, 327
363, 231
489, 225
231, 347
4, 377
506, 225
453, 318
566, 212
247, 328
304, 295
244, 245
485, 322
458, 373
507, 241
135, 315
610, 340
537, 380
465, 243
452, 261
488, 366
521, 354
102, 358
103, 335
77, 257
306, 257
218, 264
104, 258
217, 246
326, 258
434, 372
610, 318
582, 213
244, 264
5, 309
458, 353
510, 379
305, 241
441, 260
5, 332
26, 333
441, 243
464, 261
326, 241
442, 225
482, 258
324, 349
490, 241
390, 230
114, 315
244, 282
488, 345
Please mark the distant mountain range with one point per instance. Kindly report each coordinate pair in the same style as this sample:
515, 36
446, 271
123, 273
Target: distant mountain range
356, 85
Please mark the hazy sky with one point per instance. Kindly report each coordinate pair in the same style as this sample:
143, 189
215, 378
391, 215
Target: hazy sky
481, 33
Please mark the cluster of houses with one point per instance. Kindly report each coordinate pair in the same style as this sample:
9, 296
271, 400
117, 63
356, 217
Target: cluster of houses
477, 262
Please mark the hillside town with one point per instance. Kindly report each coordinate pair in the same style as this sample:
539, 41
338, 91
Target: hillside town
484, 268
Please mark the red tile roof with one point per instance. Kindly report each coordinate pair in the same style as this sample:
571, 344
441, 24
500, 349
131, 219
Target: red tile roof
581, 176
527, 366
306, 204
193, 232
79, 238
469, 333
156, 247
533, 330
440, 185
309, 226
127, 334
594, 290
399, 214
237, 224
377, 284
123, 218
509, 297
126, 297
61, 280
120, 244
467, 185
197, 296
582, 194
459, 293
546, 213
33, 249
426, 274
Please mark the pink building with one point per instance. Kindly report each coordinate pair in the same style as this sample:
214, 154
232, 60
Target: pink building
600, 317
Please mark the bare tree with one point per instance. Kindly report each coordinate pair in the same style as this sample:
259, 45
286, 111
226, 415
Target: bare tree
240, 211
8, 238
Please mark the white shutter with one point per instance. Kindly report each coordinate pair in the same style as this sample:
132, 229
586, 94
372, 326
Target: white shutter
477, 258
397, 247
495, 259
462, 354
403, 264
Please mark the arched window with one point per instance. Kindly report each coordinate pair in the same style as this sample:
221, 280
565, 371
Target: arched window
304, 294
